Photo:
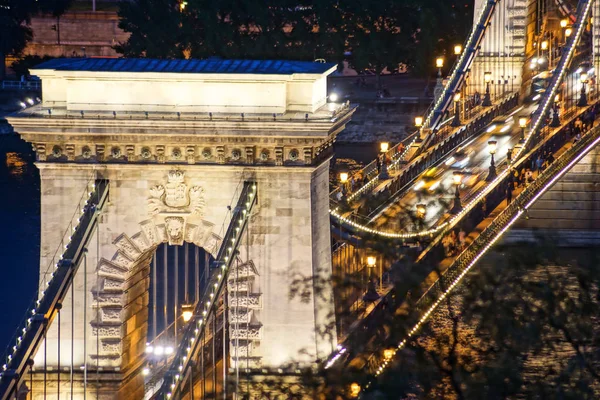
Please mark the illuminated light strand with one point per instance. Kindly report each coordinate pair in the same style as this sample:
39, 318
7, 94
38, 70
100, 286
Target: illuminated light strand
549, 96
466, 209
558, 174
53, 264
429, 114
192, 336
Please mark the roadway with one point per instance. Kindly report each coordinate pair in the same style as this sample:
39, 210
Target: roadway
435, 187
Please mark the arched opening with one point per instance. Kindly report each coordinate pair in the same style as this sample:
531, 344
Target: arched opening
178, 276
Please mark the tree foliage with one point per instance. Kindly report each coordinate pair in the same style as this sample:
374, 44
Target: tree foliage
373, 35
15, 18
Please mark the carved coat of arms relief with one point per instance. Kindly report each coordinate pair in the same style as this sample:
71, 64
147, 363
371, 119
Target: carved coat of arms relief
175, 202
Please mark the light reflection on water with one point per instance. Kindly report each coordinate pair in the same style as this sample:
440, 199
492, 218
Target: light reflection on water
20, 238
16, 165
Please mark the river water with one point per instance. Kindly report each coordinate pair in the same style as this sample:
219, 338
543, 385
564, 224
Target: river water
20, 233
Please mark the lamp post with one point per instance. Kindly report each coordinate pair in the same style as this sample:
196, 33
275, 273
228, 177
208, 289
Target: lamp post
487, 78
343, 183
371, 295
419, 125
439, 63
555, 123
457, 207
456, 120
583, 97
457, 49
492, 149
421, 209
523, 125
439, 85
187, 312
383, 174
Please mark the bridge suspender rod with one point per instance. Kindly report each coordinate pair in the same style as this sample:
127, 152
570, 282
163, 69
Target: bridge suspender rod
165, 288
154, 299
72, 335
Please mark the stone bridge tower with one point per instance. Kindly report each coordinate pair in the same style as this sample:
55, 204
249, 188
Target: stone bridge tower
175, 139
502, 51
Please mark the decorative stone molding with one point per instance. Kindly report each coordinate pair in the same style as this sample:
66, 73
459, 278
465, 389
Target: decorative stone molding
130, 151
252, 332
86, 152
264, 155
190, 154
174, 196
176, 154
70, 150
160, 154
57, 151
206, 153
278, 155
40, 149
236, 155
115, 152
175, 227
308, 155
249, 155
100, 152
293, 155
251, 300
221, 154
146, 153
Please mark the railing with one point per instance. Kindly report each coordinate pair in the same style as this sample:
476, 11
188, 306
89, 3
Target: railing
191, 344
479, 115
58, 283
19, 85
110, 111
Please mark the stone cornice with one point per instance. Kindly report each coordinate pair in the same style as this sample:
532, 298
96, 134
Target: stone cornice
173, 141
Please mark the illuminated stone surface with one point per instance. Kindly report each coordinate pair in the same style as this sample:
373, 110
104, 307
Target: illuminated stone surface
171, 179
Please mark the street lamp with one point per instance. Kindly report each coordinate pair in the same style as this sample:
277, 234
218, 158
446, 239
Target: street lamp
421, 209
568, 32
388, 354
418, 122
487, 78
457, 207
555, 123
383, 174
583, 97
456, 121
343, 177
439, 63
564, 23
544, 45
419, 125
343, 184
523, 125
457, 49
371, 295
492, 149
187, 312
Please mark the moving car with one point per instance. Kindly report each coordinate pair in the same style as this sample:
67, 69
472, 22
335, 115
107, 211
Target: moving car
501, 124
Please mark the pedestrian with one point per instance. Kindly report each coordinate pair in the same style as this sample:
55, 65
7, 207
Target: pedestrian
461, 239
550, 158
378, 161
509, 154
516, 178
528, 177
509, 190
